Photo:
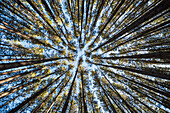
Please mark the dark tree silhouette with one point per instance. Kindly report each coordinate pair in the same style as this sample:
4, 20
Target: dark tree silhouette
84, 56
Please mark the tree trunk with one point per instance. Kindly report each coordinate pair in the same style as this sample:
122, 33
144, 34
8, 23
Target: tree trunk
39, 105
54, 100
159, 75
33, 96
83, 93
5, 66
69, 94
105, 92
151, 13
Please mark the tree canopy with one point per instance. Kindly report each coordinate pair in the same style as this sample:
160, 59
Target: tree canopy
84, 56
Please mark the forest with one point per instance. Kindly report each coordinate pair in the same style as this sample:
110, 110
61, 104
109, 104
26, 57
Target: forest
84, 56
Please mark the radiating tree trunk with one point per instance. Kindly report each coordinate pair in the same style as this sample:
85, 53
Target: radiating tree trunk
108, 20
83, 93
105, 93
151, 13
124, 101
162, 55
141, 34
146, 94
26, 63
19, 75
69, 94
159, 75
55, 98
33, 96
39, 105
6, 93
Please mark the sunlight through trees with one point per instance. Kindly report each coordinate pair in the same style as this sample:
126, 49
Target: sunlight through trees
84, 56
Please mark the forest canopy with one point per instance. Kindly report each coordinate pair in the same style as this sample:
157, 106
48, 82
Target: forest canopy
84, 56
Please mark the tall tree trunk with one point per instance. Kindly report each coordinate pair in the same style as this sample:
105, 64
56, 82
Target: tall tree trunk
105, 92
141, 34
5, 66
33, 96
124, 101
159, 75
6, 93
69, 94
19, 75
151, 13
39, 105
55, 98
108, 20
83, 93
160, 54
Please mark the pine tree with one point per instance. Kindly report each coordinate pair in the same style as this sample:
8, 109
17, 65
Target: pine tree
85, 56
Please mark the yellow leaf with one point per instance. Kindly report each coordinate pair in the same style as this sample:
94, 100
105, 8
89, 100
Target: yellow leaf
33, 75
63, 68
65, 62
